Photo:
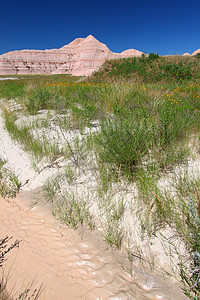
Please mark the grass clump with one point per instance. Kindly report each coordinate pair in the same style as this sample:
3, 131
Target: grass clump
4, 249
39, 146
73, 212
123, 143
112, 231
9, 184
66, 206
44, 98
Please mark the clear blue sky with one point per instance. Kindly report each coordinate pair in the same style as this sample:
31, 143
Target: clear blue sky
164, 27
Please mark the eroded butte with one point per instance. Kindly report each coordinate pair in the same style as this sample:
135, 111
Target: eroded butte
81, 57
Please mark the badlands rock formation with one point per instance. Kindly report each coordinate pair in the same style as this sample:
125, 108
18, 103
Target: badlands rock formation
194, 53
81, 57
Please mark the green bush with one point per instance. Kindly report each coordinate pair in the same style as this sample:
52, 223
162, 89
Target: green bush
124, 142
153, 56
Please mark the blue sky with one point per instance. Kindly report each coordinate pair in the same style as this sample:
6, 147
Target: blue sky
164, 27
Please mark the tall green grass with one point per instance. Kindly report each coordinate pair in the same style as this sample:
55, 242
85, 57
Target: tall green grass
123, 142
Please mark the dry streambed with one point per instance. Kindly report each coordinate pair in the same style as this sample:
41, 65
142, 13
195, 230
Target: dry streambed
69, 265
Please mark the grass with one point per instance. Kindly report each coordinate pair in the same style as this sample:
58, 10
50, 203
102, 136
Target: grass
150, 69
66, 206
9, 184
112, 231
188, 192
178, 207
123, 142
20, 88
73, 212
39, 146
140, 115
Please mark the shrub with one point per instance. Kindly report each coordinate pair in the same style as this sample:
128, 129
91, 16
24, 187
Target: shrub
153, 56
123, 142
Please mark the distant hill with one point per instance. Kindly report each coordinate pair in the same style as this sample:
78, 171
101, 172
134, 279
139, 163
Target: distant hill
81, 57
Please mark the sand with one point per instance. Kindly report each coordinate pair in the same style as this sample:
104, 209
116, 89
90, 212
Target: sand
68, 264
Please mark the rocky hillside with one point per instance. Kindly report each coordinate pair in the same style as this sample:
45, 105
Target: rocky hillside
80, 57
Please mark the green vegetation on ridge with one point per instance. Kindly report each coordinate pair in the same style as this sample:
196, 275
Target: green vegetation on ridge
151, 69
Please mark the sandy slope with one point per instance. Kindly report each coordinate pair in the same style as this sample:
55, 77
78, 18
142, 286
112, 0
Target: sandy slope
68, 264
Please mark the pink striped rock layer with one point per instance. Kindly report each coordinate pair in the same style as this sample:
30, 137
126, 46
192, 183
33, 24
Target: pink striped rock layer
81, 57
